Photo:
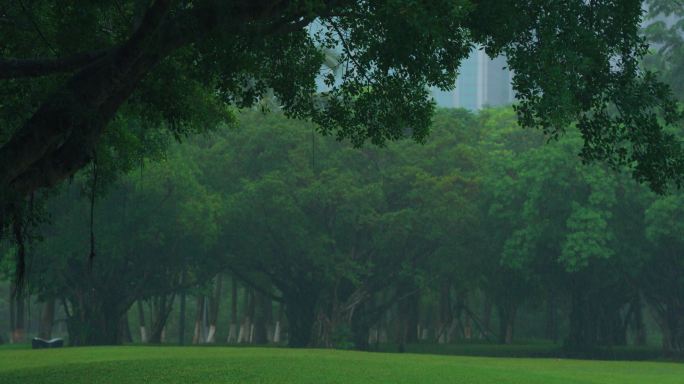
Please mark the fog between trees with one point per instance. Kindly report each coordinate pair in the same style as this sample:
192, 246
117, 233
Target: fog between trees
269, 233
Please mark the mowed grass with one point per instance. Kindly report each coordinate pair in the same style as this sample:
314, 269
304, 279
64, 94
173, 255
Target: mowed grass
279, 365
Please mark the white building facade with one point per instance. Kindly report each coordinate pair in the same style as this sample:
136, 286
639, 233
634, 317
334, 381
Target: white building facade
482, 82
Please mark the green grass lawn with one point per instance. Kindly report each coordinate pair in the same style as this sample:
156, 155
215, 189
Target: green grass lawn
275, 365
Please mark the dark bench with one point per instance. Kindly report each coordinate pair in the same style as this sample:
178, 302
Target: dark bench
38, 343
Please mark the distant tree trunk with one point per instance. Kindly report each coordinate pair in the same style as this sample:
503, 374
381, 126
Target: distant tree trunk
639, 326
232, 331
361, 322
261, 313
214, 302
445, 313
12, 313
197, 334
300, 309
246, 323
181, 318
182, 309
582, 334
551, 328
94, 320
268, 318
126, 329
251, 309
507, 312
18, 334
670, 319
161, 307
412, 317
401, 330
465, 315
486, 318
46, 320
141, 321
278, 325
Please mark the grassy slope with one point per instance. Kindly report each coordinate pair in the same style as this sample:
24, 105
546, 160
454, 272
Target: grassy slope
270, 365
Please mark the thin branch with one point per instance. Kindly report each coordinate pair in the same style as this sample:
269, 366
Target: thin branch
17, 68
254, 285
36, 27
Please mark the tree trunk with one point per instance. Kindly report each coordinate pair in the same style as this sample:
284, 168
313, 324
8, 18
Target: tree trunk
412, 317
278, 325
582, 335
670, 319
639, 326
197, 334
214, 302
93, 322
161, 309
261, 318
445, 314
300, 309
300, 320
46, 320
182, 309
245, 325
507, 312
141, 321
232, 331
12, 313
486, 318
126, 329
181, 318
60, 137
551, 328
19, 330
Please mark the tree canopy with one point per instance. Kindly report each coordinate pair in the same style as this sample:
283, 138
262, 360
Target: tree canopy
68, 73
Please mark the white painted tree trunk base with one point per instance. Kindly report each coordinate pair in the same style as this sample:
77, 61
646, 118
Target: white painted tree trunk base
143, 334
232, 333
276, 333
242, 334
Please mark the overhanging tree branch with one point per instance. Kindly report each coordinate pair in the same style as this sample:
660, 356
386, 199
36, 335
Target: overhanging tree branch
18, 68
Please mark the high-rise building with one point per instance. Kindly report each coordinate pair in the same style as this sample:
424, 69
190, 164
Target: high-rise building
481, 82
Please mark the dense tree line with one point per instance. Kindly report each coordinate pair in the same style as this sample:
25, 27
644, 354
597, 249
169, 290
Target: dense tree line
325, 244
71, 74
263, 231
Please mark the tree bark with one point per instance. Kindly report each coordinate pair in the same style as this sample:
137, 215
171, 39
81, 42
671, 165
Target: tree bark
300, 319
261, 318
214, 302
46, 320
445, 313
551, 328
12, 313
232, 331
639, 325
245, 326
126, 335
161, 309
507, 312
19, 329
278, 325
199, 312
181, 317
141, 322
61, 136
412, 317
486, 318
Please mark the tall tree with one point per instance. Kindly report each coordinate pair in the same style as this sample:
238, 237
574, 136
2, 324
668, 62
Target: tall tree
172, 63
